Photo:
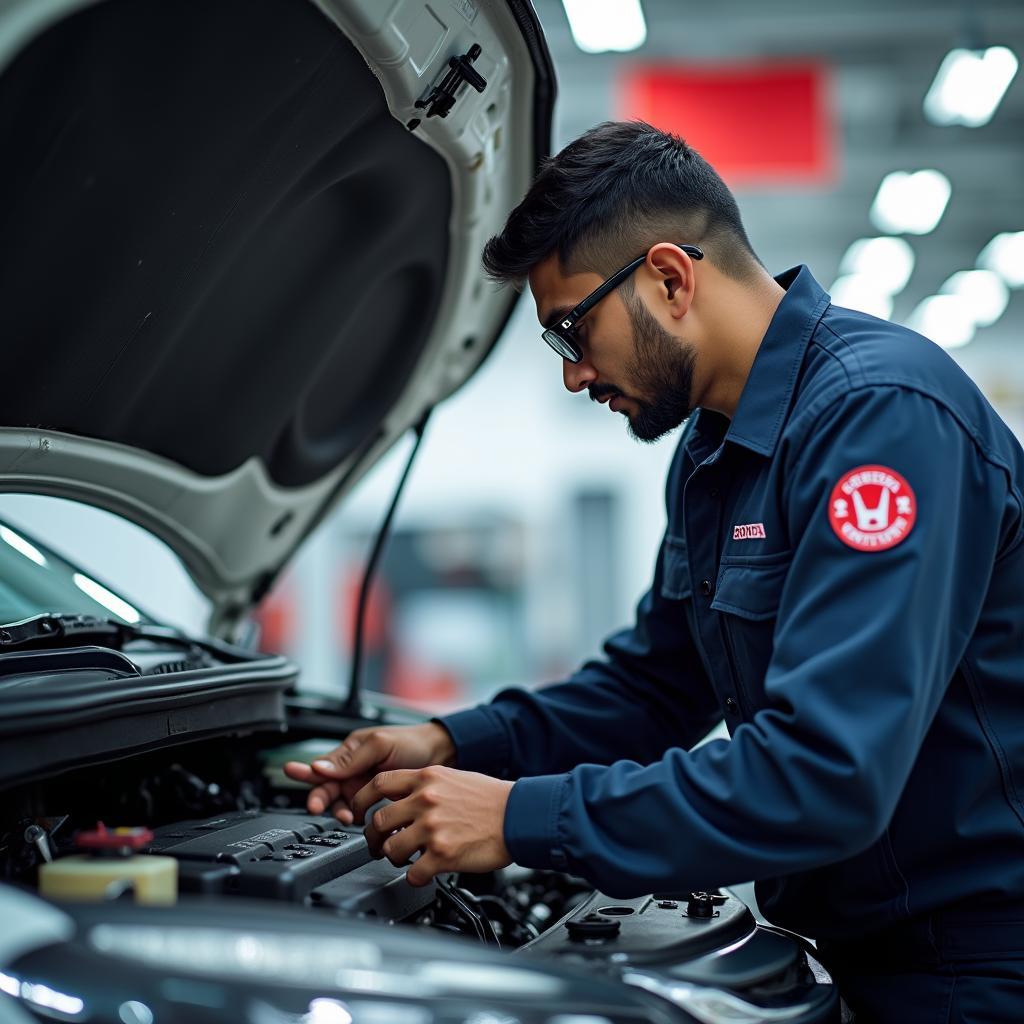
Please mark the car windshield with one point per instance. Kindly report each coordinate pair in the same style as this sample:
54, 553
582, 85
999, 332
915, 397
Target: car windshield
35, 579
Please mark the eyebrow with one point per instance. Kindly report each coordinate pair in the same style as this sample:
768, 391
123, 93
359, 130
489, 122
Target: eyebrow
555, 315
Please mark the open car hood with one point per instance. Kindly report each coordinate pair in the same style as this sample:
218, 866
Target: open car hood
237, 259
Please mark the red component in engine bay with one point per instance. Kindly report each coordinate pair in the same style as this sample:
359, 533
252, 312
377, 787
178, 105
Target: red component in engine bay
113, 839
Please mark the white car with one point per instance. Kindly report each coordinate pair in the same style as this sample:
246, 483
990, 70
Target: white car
239, 258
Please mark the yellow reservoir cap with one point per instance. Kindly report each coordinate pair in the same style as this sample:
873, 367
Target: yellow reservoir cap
83, 877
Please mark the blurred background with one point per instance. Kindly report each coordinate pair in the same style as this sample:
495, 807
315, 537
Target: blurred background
881, 143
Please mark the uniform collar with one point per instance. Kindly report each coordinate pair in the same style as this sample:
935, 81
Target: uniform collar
767, 396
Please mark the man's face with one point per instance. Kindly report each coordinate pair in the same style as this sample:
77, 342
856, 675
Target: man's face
629, 359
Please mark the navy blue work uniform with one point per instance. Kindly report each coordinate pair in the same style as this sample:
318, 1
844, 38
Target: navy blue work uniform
842, 577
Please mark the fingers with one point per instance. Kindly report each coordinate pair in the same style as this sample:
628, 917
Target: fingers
336, 776
321, 797
385, 820
300, 771
402, 846
325, 793
360, 754
394, 785
424, 870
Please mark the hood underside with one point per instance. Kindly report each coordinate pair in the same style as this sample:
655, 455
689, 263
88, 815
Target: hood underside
232, 270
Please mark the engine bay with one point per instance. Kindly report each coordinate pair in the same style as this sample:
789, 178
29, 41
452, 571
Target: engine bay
221, 813
238, 831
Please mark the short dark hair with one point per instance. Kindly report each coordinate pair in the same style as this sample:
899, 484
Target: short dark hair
608, 196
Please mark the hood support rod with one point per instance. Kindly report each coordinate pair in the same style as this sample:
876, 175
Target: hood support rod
353, 702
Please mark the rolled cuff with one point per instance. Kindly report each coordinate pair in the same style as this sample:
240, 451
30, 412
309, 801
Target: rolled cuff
531, 822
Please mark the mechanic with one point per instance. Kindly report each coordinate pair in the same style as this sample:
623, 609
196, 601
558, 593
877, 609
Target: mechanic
842, 577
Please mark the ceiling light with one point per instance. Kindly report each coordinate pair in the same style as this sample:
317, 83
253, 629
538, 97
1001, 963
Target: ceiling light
855, 291
911, 203
601, 25
946, 319
969, 85
886, 262
1005, 255
984, 291
100, 594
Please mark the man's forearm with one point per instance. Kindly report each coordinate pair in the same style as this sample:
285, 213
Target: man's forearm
598, 716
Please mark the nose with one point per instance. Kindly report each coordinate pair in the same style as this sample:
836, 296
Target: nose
577, 376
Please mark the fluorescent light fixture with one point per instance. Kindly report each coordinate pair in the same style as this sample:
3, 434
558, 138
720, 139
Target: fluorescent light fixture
946, 319
886, 262
969, 86
984, 291
20, 544
855, 291
122, 609
1005, 255
601, 25
911, 203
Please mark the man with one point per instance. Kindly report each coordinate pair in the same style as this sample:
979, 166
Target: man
842, 577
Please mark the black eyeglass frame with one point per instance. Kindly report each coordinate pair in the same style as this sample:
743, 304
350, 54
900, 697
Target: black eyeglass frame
560, 338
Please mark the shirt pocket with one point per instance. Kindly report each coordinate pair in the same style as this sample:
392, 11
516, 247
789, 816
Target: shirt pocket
675, 569
747, 596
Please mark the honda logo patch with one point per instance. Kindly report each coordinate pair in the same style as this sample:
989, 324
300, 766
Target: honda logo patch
748, 531
872, 508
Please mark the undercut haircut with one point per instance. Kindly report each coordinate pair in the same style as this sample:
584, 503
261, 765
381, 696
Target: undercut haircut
610, 195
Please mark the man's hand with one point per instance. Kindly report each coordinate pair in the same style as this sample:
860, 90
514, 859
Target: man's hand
456, 819
340, 774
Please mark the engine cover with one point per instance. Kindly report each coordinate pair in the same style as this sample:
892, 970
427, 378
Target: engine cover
289, 856
278, 855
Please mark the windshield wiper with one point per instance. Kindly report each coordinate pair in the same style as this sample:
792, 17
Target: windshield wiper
54, 629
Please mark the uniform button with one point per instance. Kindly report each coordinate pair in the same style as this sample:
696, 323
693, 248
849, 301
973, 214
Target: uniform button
713, 492
706, 588
731, 706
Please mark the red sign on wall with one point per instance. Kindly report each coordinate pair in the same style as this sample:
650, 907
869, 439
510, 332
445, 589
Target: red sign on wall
756, 124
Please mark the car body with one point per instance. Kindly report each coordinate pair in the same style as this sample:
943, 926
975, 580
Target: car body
239, 261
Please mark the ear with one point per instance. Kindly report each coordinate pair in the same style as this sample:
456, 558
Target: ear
673, 270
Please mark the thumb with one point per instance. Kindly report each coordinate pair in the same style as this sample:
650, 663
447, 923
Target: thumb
356, 756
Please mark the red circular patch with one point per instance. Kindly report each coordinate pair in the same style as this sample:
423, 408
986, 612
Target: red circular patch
872, 508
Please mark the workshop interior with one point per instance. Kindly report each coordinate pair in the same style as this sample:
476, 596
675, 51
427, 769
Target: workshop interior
278, 461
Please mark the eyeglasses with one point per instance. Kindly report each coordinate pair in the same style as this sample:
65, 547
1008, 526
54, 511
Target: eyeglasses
561, 336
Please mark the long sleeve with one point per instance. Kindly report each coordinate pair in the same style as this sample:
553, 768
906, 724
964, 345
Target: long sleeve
864, 645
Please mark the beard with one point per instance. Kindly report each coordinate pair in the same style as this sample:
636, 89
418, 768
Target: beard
662, 369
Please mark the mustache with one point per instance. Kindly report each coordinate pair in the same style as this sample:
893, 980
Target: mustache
599, 391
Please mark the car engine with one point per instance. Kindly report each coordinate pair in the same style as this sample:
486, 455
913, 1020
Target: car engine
243, 848
227, 844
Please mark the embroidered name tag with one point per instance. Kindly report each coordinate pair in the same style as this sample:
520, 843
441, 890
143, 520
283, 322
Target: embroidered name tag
748, 531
